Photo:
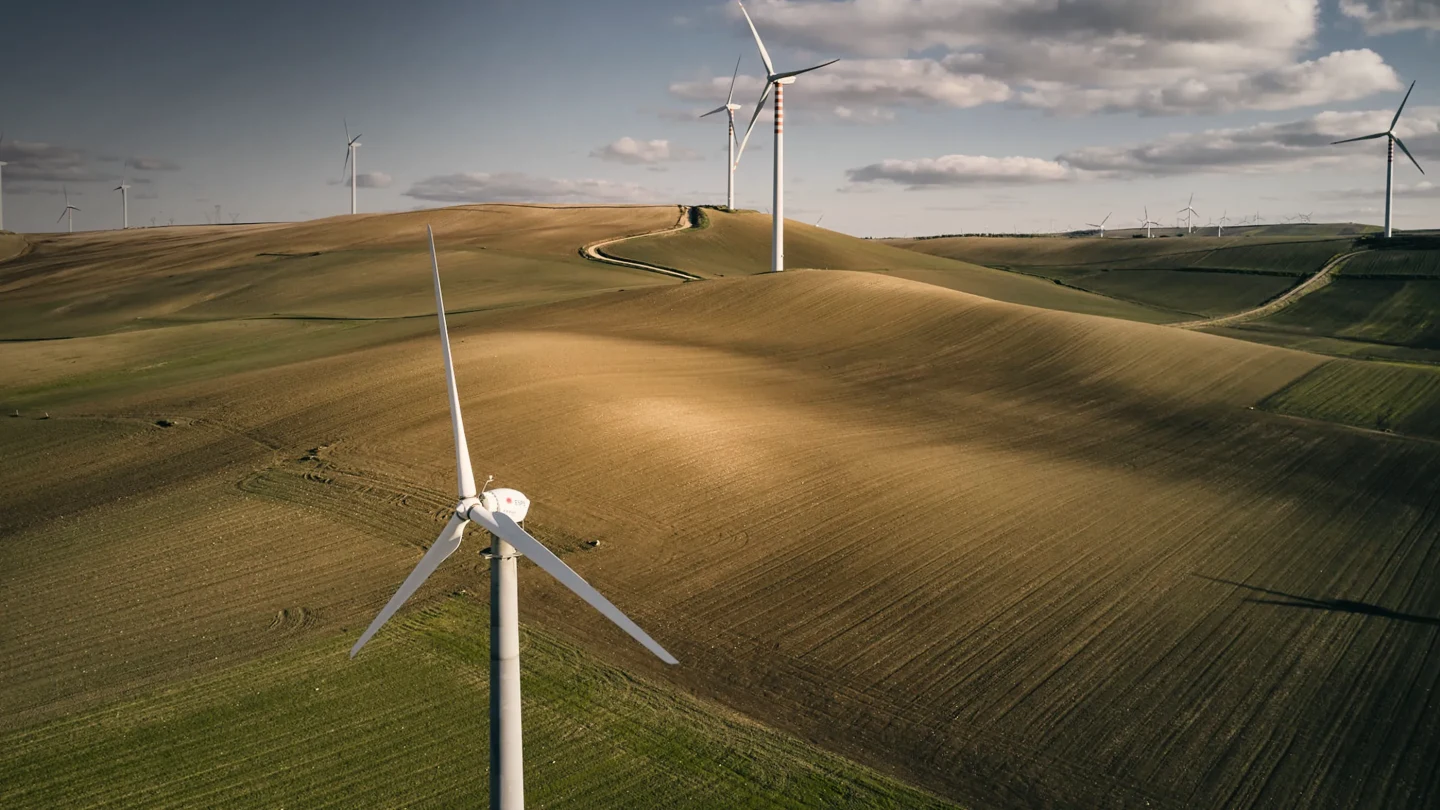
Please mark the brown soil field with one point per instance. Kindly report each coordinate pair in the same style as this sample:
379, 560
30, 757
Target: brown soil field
1019, 557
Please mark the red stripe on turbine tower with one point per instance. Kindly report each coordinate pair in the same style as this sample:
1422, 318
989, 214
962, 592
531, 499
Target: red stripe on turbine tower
779, 108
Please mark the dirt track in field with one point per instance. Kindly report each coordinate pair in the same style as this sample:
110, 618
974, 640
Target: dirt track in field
1021, 557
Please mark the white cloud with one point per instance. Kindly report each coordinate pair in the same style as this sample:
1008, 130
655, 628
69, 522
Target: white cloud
961, 170
1340, 76
628, 150
1392, 16
149, 164
1075, 56
1266, 147
371, 180
866, 84
46, 162
521, 187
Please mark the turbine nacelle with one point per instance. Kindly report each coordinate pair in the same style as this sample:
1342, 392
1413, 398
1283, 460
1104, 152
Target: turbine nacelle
511, 502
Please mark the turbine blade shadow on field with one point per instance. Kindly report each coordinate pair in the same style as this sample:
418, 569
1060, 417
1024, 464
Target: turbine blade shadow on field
1282, 599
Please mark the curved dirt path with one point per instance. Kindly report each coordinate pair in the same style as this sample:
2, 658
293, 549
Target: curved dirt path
593, 251
1321, 278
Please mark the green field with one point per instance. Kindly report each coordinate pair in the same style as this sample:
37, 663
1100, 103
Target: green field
1201, 276
405, 725
1008, 556
1379, 396
1385, 312
1416, 256
738, 243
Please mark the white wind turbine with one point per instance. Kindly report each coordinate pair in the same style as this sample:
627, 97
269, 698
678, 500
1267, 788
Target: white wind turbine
498, 511
2, 189
124, 202
1220, 226
1393, 141
729, 108
69, 211
1101, 225
1190, 213
777, 81
351, 144
1147, 222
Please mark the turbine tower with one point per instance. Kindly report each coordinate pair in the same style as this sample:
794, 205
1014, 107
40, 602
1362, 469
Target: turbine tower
778, 82
1220, 226
124, 202
498, 511
1393, 141
1190, 214
729, 109
69, 213
2, 189
351, 144
1101, 225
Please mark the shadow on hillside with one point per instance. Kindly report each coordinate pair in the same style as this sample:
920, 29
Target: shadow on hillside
1282, 599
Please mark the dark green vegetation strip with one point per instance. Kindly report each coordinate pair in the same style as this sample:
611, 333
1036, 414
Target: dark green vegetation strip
1380, 396
1382, 311
406, 725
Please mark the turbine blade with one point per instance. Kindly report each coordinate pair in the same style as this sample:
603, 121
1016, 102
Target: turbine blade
730, 96
347, 129
764, 56
721, 108
1106, 219
1361, 138
1396, 119
63, 213
443, 547
1401, 144
463, 473
345, 168
511, 533
758, 106
788, 74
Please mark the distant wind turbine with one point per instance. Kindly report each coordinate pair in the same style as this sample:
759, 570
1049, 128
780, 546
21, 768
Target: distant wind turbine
351, 144
2, 190
777, 81
1189, 212
69, 212
124, 203
1101, 225
1220, 226
729, 108
1147, 222
1393, 141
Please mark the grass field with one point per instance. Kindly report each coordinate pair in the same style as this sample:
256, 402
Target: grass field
1377, 396
738, 243
1386, 312
405, 727
1014, 557
1198, 275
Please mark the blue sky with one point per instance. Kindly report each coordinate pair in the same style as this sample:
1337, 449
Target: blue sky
943, 115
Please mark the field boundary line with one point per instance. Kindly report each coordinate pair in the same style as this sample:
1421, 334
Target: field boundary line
1321, 278
594, 252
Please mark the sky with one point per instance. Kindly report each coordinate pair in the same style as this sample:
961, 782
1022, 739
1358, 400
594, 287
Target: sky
942, 116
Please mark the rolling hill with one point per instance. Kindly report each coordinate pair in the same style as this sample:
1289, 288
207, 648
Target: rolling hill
1012, 556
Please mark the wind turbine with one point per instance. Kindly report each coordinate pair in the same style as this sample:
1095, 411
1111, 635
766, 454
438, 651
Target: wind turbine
1189, 212
1147, 222
2, 190
1101, 225
1220, 227
498, 511
1393, 141
69, 211
124, 202
729, 108
351, 144
778, 82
